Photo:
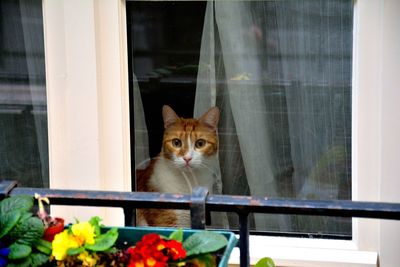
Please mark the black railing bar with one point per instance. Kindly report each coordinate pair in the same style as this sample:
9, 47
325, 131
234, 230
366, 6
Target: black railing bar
7, 186
244, 239
108, 198
337, 208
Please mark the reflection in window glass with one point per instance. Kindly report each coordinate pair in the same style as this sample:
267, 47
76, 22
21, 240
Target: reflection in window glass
280, 73
23, 111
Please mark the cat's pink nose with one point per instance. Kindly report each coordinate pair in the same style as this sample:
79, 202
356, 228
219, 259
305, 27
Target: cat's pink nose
187, 158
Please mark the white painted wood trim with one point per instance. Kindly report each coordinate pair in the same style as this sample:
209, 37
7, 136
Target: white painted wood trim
88, 102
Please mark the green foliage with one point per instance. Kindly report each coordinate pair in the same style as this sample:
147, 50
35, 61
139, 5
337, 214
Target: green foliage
27, 231
8, 221
204, 242
95, 221
38, 259
19, 251
75, 251
43, 246
34, 259
21, 231
22, 202
176, 235
265, 262
104, 241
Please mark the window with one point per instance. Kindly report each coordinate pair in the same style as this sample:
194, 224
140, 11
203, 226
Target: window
87, 86
281, 74
23, 106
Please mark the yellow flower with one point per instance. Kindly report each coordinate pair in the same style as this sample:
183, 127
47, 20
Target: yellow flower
88, 259
61, 243
84, 231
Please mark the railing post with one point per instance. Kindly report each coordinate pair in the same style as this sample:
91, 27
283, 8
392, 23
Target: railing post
198, 207
129, 214
244, 239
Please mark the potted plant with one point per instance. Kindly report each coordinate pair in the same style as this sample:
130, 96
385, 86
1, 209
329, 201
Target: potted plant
89, 243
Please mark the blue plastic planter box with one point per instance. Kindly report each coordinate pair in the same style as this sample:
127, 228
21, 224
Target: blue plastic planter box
131, 235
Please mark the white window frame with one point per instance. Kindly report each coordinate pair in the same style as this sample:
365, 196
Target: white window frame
89, 137
87, 100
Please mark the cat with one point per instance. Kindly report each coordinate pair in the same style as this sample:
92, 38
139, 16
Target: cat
188, 158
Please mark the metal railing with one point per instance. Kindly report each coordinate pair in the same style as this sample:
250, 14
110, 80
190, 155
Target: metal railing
200, 202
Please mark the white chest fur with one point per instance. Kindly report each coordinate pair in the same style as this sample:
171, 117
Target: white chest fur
167, 178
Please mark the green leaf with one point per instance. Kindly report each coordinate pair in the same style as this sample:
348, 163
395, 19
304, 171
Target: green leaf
204, 242
95, 221
25, 215
265, 262
33, 260
38, 259
177, 235
75, 251
8, 221
19, 251
43, 246
21, 202
27, 231
104, 241
26, 262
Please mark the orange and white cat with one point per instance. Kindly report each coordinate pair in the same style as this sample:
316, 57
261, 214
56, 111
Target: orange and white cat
188, 158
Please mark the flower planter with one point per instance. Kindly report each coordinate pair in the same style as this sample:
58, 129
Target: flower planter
202, 248
23, 241
131, 235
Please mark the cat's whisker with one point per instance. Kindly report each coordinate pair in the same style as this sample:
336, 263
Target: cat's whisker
202, 164
187, 181
194, 178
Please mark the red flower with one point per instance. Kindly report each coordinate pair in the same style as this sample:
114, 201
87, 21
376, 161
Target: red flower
151, 239
176, 250
153, 251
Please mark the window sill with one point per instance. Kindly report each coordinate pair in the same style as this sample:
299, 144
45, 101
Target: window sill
299, 252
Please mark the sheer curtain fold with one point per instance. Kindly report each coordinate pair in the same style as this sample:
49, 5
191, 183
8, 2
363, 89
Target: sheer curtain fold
243, 109
284, 99
141, 135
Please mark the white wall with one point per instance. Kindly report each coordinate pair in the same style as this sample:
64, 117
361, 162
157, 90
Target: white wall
390, 130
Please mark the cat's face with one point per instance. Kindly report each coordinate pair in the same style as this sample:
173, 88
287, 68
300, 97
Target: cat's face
190, 143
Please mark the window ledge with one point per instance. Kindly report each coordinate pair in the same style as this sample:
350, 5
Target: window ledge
299, 252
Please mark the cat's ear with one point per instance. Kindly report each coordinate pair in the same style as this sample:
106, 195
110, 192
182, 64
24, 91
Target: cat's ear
211, 118
169, 116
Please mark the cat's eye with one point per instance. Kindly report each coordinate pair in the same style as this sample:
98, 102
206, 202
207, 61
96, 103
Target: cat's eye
200, 143
176, 142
